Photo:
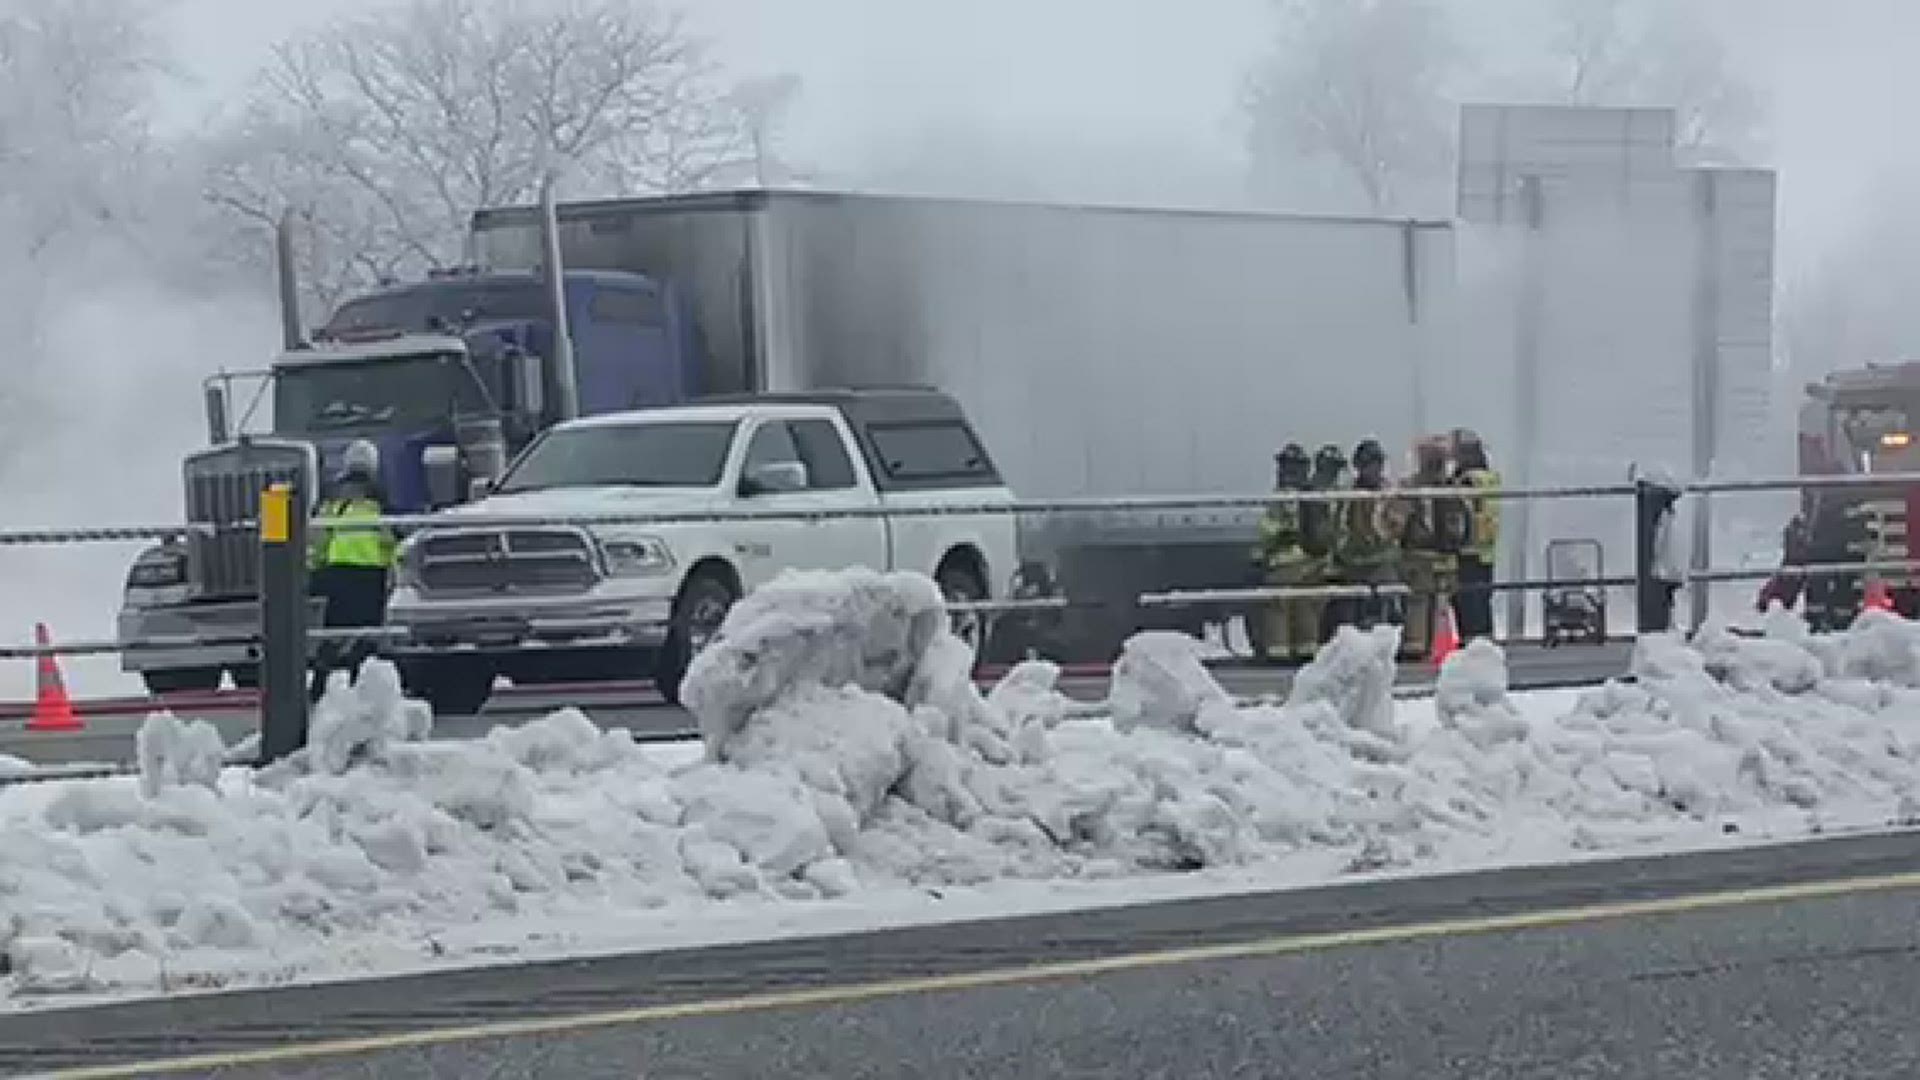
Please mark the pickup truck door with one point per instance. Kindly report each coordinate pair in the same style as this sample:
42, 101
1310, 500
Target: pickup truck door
764, 548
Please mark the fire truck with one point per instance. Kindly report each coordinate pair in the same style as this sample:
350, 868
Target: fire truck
1858, 422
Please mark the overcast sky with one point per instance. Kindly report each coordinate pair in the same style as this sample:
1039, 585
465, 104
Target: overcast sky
1157, 77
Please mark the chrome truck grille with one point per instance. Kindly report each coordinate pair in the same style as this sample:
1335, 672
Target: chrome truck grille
223, 488
495, 561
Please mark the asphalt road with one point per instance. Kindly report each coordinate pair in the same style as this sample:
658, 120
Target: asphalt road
1789, 961
110, 726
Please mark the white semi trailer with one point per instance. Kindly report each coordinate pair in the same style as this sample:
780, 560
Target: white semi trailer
1100, 351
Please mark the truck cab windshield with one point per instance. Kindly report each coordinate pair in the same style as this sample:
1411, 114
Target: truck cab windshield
688, 455
410, 393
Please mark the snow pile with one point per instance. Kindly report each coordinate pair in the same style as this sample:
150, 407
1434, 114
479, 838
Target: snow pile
847, 752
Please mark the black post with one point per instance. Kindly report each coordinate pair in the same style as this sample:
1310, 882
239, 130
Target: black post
283, 622
1650, 599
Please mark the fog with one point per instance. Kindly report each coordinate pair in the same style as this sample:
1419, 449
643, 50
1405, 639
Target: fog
1102, 100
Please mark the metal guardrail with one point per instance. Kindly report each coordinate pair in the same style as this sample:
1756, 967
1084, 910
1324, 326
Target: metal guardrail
1013, 508
1056, 507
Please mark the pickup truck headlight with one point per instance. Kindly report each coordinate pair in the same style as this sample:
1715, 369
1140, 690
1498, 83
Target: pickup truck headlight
161, 568
636, 556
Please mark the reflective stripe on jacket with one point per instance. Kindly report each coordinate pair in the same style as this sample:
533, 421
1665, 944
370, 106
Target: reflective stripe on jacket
1486, 516
339, 542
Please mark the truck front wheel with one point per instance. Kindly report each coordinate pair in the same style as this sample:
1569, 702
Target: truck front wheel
698, 611
181, 680
452, 685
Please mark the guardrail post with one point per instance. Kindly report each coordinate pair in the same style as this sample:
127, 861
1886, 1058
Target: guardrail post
283, 622
1648, 597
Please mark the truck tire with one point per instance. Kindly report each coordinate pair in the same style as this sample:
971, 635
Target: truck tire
698, 611
181, 680
452, 685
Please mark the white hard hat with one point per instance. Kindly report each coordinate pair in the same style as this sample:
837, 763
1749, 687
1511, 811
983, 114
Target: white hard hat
362, 456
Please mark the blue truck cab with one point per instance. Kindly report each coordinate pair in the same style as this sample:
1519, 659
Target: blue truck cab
448, 376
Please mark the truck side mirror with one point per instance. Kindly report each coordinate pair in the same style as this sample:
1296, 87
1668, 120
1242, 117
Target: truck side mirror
774, 477
442, 467
219, 433
479, 488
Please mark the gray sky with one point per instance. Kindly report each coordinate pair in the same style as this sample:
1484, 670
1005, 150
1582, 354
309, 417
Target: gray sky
1158, 79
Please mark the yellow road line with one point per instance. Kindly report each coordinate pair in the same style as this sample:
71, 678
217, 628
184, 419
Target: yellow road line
1067, 969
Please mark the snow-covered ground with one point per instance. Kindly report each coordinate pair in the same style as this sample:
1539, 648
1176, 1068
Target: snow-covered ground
851, 776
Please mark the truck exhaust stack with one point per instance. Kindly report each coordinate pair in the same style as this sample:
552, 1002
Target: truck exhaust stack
290, 332
565, 379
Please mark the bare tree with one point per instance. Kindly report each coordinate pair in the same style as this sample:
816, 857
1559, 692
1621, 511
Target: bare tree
387, 131
75, 79
1360, 84
1654, 52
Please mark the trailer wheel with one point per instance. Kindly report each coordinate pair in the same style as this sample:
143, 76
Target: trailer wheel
698, 611
181, 680
452, 685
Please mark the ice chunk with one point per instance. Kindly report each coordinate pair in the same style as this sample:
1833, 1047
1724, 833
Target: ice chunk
1159, 682
363, 718
1354, 675
173, 752
1471, 696
854, 627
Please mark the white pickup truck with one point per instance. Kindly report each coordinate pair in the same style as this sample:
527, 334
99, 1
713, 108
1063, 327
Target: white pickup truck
564, 602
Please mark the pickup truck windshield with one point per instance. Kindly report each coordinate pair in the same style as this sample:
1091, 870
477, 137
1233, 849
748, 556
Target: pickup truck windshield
638, 455
411, 392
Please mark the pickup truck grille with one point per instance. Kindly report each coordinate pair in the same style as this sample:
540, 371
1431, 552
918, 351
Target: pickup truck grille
534, 561
223, 487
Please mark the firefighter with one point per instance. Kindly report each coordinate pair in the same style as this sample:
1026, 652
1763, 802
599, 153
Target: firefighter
1320, 533
1292, 626
1787, 583
1667, 572
1433, 534
1368, 552
1473, 596
349, 562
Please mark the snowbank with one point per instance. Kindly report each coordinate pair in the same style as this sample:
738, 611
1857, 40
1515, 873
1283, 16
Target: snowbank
848, 758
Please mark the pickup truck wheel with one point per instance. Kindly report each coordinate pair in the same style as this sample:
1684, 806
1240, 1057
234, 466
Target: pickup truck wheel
699, 610
181, 680
960, 584
452, 685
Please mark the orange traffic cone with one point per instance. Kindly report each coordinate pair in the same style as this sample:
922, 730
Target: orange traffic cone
52, 708
1878, 599
1446, 638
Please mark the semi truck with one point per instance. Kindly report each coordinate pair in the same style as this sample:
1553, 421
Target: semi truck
448, 376
1102, 352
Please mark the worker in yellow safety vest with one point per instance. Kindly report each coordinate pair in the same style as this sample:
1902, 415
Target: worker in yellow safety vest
1291, 630
348, 557
1473, 602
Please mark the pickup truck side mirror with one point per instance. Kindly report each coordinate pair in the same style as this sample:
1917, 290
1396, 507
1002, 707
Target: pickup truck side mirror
774, 477
478, 487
